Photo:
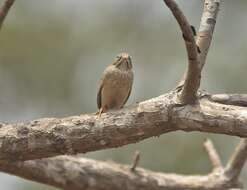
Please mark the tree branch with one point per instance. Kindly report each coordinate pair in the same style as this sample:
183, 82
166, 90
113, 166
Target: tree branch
193, 75
231, 99
4, 10
79, 134
136, 160
205, 34
213, 155
237, 161
76, 173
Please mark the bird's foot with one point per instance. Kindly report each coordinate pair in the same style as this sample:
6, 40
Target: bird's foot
100, 111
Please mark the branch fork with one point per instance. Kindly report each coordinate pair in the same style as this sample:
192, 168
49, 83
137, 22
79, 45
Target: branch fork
24, 147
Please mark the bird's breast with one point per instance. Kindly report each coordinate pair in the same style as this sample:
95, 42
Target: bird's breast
117, 85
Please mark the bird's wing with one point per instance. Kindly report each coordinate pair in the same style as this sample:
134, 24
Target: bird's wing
99, 94
103, 79
127, 97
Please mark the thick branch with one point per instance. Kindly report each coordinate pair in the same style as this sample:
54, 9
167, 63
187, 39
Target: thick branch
79, 134
75, 173
205, 34
4, 10
52, 136
193, 75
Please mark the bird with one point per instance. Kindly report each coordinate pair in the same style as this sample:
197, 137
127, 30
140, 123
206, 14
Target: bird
115, 84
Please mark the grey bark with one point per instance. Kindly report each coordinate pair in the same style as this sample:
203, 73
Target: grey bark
76, 173
80, 134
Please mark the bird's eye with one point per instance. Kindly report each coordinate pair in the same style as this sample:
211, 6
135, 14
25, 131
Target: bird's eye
118, 58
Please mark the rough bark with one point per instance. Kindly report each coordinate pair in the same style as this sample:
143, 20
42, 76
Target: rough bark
224, 114
79, 134
76, 173
84, 174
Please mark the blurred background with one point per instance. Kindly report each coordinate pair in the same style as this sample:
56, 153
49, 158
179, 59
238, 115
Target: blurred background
52, 54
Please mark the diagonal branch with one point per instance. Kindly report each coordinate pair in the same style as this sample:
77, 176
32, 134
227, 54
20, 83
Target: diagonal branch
79, 134
237, 160
213, 155
4, 10
77, 173
207, 25
136, 160
193, 75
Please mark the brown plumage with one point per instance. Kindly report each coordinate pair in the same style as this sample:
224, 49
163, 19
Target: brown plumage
115, 85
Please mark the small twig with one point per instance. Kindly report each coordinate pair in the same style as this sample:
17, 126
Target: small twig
237, 161
136, 160
205, 34
193, 75
4, 10
213, 155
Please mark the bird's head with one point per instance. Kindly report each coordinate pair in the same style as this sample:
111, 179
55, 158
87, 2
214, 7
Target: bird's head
123, 62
